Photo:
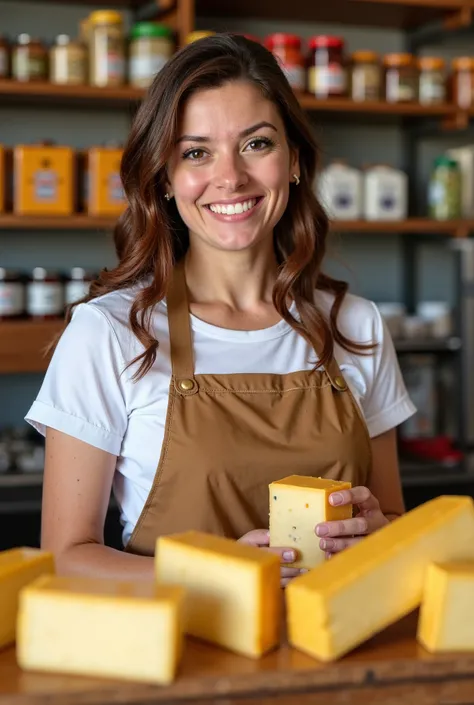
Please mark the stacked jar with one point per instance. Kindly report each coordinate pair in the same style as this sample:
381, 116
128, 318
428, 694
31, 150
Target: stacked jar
287, 50
106, 40
151, 46
327, 72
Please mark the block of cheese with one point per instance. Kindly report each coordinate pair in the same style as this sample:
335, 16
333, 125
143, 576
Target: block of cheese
446, 621
346, 600
18, 567
233, 595
130, 630
297, 504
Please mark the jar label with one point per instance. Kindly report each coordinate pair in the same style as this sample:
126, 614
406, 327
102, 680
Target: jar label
366, 81
115, 66
296, 76
327, 80
400, 89
146, 67
45, 299
432, 89
12, 298
45, 186
115, 190
76, 290
3, 63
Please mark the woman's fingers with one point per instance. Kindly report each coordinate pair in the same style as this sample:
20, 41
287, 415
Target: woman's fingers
336, 545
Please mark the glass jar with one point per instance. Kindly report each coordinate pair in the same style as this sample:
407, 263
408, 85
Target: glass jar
327, 73
366, 76
151, 46
432, 80
286, 48
462, 81
4, 58
68, 62
12, 294
29, 59
77, 285
198, 34
44, 294
444, 195
107, 48
401, 78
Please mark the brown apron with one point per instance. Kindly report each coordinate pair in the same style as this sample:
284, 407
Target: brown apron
228, 436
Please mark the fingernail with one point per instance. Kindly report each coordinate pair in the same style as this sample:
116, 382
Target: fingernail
322, 530
288, 555
303, 570
323, 544
336, 498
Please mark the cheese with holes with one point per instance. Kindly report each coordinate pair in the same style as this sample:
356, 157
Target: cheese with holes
130, 630
297, 504
18, 567
446, 621
346, 600
233, 595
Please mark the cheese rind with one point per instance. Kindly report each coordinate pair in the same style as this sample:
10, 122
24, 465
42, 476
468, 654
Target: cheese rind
18, 568
297, 504
233, 595
345, 601
130, 630
446, 621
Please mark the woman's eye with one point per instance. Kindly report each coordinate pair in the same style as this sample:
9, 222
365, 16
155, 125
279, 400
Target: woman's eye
194, 154
258, 144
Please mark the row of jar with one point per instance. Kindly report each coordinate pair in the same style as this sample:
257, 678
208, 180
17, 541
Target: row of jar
41, 293
45, 179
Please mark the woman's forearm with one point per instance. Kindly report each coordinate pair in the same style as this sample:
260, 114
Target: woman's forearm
98, 561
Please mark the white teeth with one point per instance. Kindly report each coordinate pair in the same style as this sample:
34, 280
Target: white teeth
233, 208
238, 208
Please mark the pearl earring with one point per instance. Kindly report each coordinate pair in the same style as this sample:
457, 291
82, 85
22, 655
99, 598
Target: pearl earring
297, 179
167, 196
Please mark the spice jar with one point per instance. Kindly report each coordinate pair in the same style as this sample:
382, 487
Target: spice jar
44, 294
432, 80
366, 76
12, 294
197, 35
401, 78
463, 81
286, 48
107, 48
29, 59
68, 62
444, 195
151, 46
4, 57
77, 285
327, 74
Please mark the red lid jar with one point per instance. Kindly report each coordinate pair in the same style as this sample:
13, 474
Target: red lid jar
45, 294
286, 48
327, 73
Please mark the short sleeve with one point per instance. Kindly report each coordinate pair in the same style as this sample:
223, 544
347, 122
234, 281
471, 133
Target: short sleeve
82, 393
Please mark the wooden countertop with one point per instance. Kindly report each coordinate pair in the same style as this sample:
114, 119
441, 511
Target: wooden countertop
391, 669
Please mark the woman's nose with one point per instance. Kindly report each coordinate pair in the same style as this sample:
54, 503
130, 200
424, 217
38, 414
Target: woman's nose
230, 174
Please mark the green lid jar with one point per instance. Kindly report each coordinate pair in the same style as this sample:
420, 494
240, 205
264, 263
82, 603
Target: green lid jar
151, 45
444, 196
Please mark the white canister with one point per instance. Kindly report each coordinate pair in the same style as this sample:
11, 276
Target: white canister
438, 318
465, 158
340, 191
385, 193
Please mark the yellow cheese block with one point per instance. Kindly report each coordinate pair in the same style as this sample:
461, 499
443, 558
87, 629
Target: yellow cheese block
297, 504
446, 621
99, 627
233, 591
18, 567
346, 600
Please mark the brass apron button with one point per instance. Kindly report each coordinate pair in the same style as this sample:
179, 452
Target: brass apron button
340, 383
186, 385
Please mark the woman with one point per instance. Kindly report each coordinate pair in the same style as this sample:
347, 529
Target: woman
204, 365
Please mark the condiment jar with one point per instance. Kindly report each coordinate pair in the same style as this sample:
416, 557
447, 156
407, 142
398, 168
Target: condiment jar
12, 294
444, 195
77, 285
327, 73
29, 59
462, 81
151, 46
107, 48
197, 35
4, 58
286, 48
401, 78
44, 294
366, 76
68, 62
432, 80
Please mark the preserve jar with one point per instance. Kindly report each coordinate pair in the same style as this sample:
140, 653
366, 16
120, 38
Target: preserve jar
68, 62
327, 73
29, 59
12, 294
44, 294
401, 78
366, 76
4, 57
444, 195
107, 48
151, 46
286, 48
462, 81
77, 285
432, 80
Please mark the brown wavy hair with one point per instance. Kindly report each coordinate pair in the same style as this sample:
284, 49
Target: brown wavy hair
150, 236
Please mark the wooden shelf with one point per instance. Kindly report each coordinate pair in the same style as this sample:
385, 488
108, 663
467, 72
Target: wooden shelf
376, 107
454, 228
10, 221
50, 93
22, 345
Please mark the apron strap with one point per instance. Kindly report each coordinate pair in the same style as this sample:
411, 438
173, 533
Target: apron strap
335, 375
179, 321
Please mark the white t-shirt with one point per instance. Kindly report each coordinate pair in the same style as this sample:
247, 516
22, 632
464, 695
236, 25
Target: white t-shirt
86, 394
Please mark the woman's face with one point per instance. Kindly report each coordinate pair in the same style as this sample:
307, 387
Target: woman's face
231, 168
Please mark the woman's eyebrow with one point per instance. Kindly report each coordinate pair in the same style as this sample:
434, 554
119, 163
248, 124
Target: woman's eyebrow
245, 133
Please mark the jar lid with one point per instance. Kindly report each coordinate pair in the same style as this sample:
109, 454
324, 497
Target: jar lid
399, 59
431, 63
282, 39
444, 160
324, 40
40, 273
366, 57
150, 29
105, 17
198, 34
79, 273
24, 38
463, 63
63, 39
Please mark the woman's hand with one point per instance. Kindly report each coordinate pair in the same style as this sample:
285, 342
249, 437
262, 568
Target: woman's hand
261, 539
338, 535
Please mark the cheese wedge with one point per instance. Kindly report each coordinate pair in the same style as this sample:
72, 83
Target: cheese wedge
103, 628
297, 504
446, 621
346, 600
233, 595
18, 567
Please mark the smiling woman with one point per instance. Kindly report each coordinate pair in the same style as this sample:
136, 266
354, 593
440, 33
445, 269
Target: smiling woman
217, 357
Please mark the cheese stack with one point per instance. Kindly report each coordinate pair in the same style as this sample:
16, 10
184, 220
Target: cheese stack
297, 504
105, 628
446, 621
233, 595
18, 568
343, 602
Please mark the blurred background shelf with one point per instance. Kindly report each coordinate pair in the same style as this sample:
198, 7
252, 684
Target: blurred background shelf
22, 345
10, 221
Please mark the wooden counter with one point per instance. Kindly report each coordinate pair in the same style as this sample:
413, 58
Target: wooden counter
391, 669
